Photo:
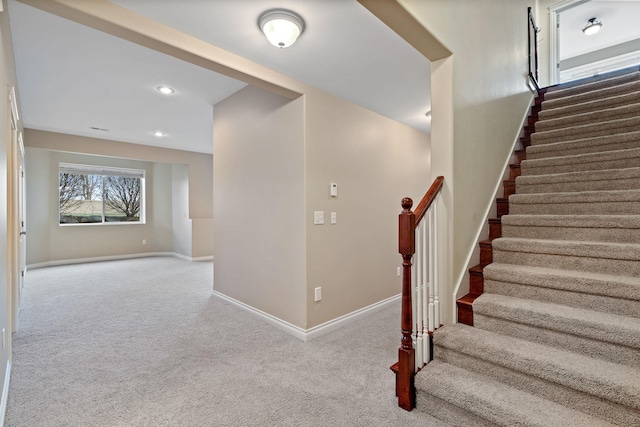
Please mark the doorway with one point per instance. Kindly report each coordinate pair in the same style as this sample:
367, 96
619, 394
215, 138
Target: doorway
574, 54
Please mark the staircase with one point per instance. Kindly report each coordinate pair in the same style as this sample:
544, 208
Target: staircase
556, 331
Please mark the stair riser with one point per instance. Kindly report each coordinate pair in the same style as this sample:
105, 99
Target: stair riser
619, 306
530, 168
447, 412
575, 149
569, 262
617, 235
566, 396
599, 349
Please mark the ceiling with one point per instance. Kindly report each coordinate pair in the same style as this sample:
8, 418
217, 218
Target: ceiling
619, 24
76, 80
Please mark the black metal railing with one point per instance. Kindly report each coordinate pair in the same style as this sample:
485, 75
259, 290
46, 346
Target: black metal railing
533, 49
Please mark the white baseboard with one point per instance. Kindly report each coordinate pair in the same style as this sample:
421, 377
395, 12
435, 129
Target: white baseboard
316, 331
5, 394
116, 258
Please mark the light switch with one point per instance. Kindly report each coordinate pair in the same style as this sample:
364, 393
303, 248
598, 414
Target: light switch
318, 217
334, 218
334, 189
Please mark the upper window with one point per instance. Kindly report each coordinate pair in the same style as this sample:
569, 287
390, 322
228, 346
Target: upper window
98, 194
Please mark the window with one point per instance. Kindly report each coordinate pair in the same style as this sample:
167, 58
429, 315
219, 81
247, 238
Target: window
98, 194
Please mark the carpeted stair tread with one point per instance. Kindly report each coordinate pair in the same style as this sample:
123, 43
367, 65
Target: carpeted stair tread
578, 87
566, 182
610, 328
619, 159
557, 325
567, 293
591, 105
592, 130
601, 93
613, 202
609, 381
583, 146
607, 285
605, 228
494, 401
597, 257
601, 115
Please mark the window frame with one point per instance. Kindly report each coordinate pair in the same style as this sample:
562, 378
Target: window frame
104, 171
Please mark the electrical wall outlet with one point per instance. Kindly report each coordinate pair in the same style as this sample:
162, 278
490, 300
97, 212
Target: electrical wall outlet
318, 294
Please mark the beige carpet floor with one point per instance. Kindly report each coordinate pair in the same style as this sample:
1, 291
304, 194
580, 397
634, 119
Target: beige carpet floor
144, 343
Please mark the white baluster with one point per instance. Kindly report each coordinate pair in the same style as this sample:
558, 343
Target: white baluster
436, 272
432, 323
417, 295
424, 245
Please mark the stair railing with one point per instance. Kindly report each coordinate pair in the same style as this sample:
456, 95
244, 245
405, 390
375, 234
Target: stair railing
420, 290
533, 49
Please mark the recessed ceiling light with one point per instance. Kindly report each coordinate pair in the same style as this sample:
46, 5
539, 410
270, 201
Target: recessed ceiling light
166, 90
99, 129
159, 133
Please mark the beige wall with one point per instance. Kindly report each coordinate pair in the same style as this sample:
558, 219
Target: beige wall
182, 231
271, 173
376, 162
50, 242
196, 200
490, 101
259, 212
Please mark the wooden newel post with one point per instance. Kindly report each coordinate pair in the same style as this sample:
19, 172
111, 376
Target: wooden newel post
405, 388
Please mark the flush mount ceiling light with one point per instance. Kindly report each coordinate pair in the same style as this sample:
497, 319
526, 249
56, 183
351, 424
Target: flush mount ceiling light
592, 27
281, 27
159, 133
166, 90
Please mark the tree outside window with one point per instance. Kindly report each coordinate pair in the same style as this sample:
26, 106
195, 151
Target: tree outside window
94, 195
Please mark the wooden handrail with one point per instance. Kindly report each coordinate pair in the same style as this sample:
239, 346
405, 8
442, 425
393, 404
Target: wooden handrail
407, 221
428, 199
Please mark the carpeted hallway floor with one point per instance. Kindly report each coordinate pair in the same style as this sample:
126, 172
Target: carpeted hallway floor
143, 342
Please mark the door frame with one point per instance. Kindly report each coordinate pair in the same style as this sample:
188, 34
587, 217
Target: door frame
554, 39
15, 163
